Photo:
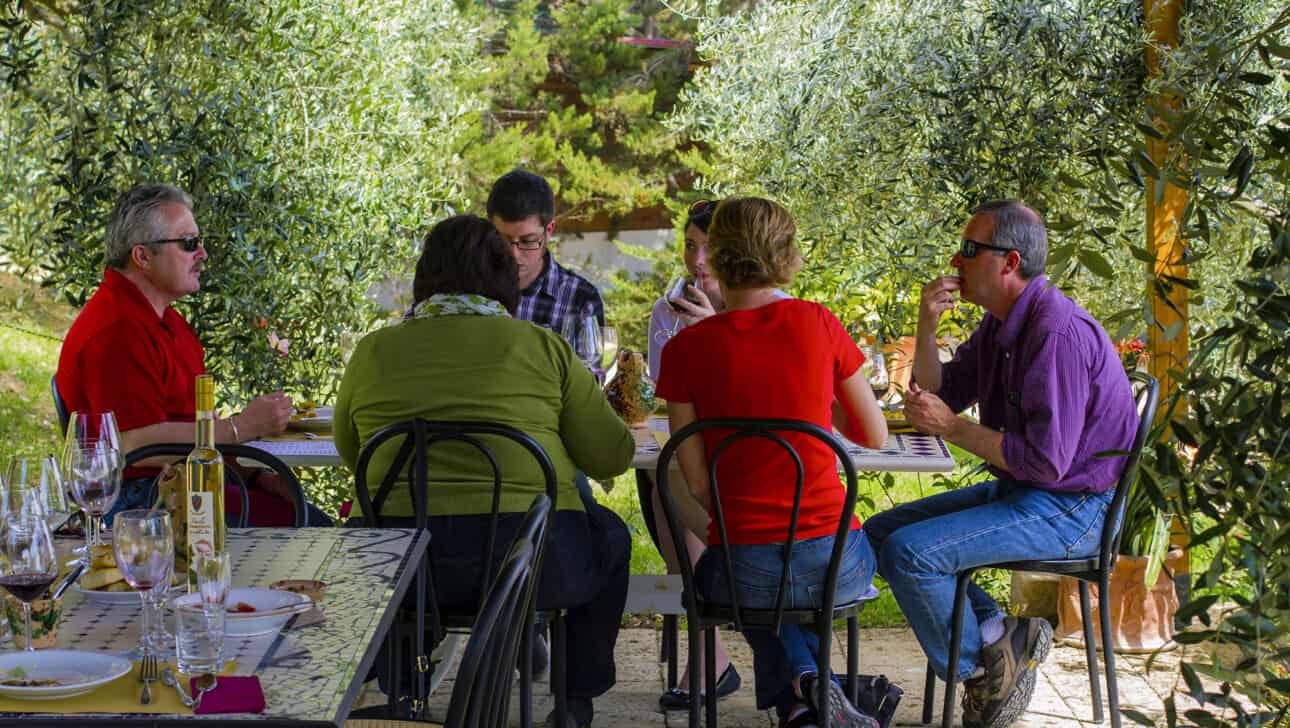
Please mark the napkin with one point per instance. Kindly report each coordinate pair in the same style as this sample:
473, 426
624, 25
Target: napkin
232, 694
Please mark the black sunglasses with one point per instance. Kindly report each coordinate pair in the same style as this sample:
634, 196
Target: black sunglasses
187, 244
969, 248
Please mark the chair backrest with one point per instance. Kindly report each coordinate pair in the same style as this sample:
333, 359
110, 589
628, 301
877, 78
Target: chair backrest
60, 406
746, 429
1146, 392
410, 464
481, 693
232, 454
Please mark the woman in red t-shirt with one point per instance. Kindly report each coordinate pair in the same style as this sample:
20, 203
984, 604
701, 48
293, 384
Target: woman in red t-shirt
770, 357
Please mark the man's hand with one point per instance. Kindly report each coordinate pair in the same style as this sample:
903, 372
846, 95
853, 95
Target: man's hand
695, 305
927, 413
939, 296
266, 415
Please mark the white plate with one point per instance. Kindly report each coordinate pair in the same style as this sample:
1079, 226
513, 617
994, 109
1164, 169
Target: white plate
109, 599
272, 610
78, 671
320, 422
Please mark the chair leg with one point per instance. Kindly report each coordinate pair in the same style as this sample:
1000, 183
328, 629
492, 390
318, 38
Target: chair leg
1090, 649
671, 638
929, 694
1108, 648
956, 642
559, 662
710, 670
392, 651
853, 659
692, 632
526, 674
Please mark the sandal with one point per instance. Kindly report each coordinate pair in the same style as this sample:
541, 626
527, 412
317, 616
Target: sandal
678, 699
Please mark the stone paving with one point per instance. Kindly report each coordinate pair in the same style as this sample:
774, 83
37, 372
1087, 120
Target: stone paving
1061, 694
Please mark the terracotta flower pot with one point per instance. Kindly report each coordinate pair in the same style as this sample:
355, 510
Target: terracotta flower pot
1142, 620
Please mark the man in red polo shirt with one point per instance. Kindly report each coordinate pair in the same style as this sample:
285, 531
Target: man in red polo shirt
129, 352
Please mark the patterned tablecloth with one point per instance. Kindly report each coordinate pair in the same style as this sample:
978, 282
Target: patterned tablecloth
310, 675
905, 451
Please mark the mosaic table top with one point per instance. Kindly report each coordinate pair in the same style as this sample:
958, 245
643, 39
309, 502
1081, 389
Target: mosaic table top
310, 675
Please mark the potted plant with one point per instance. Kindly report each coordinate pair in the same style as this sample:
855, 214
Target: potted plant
1143, 599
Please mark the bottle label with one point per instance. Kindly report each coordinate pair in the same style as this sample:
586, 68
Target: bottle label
201, 523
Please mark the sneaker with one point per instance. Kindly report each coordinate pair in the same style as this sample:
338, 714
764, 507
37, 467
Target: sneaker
840, 710
1000, 696
678, 699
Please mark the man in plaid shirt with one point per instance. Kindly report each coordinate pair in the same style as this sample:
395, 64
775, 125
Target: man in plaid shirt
522, 208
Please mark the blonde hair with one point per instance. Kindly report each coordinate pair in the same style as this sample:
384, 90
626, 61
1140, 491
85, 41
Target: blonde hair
752, 244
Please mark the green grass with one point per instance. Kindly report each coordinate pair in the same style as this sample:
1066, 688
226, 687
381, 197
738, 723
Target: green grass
31, 330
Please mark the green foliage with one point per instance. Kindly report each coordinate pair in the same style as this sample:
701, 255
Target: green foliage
881, 125
314, 137
572, 102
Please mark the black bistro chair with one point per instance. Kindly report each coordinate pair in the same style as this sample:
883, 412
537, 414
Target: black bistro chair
232, 453
481, 693
410, 465
60, 407
707, 615
1094, 569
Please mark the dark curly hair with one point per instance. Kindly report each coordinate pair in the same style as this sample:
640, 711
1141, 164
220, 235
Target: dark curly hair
465, 254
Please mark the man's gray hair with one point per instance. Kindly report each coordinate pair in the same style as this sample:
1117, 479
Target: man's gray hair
134, 220
1022, 229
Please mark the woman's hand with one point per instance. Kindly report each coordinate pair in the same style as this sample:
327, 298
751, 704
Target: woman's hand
694, 305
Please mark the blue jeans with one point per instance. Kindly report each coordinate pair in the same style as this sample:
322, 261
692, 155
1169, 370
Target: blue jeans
780, 659
922, 546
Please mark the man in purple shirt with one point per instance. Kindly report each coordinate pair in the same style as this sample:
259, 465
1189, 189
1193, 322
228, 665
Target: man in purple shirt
1052, 395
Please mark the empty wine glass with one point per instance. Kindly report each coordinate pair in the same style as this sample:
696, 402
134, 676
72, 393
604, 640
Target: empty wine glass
28, 564
145, 553
96, 483
44, 475
91, 429
583, 334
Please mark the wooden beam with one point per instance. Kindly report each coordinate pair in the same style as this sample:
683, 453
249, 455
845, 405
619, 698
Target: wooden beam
1167, 336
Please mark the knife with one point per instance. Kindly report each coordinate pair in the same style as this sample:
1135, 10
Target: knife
71, 578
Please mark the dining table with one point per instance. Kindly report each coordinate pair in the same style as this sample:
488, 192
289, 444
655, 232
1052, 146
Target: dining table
905, 450
311, 670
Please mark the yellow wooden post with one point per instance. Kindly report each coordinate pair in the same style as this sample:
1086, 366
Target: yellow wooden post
1168, 337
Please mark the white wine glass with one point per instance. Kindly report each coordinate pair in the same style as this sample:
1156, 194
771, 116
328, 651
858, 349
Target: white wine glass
609, 349
143, 544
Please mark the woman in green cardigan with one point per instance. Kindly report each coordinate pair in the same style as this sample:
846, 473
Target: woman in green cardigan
460, 355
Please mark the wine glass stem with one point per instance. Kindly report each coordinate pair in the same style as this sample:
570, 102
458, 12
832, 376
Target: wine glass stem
26, 610
145, 639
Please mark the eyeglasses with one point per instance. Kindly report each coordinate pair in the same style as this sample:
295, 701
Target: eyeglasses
529, 242
187, 244
969, 248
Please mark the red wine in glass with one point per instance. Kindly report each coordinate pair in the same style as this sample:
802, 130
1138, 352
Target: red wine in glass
27, 587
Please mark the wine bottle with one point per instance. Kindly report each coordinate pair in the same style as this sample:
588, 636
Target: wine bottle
204, 472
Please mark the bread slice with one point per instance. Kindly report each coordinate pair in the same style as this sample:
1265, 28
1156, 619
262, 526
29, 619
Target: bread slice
99, 578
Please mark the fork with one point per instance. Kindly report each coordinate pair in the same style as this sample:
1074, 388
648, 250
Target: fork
147, 673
